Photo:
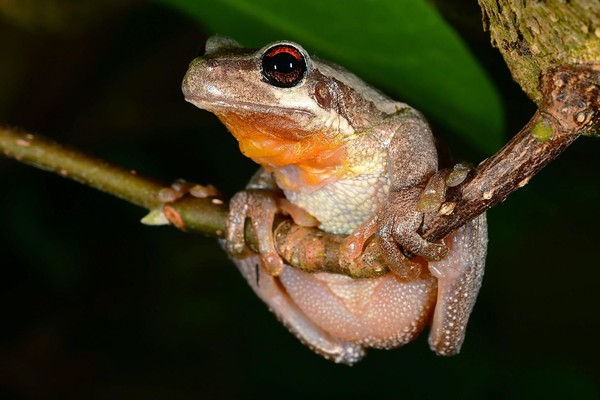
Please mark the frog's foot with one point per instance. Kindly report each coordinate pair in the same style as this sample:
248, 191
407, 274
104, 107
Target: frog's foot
180, 188
398, 225
260, 207
161, 215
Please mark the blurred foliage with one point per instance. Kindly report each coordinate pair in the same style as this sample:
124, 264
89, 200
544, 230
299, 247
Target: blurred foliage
96, 305
60, 16
404, 47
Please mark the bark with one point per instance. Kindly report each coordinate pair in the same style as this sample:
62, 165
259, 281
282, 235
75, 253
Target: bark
537, 36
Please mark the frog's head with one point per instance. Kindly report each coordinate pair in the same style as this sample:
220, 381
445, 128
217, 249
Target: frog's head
279, 95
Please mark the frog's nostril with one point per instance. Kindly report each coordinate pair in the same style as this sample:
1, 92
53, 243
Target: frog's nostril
211, 63
203, 65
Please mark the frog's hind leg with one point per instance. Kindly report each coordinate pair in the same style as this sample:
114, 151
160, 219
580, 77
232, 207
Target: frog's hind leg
459, 277
270, 290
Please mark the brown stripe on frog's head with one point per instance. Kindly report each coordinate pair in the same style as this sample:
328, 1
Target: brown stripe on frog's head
280, 100
275, 84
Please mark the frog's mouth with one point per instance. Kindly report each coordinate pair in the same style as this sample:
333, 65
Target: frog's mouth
233, 106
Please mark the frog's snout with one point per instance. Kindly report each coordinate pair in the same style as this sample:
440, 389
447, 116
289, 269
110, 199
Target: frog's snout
196, 78
209, 81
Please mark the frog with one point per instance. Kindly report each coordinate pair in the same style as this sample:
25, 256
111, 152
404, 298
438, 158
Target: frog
337, 154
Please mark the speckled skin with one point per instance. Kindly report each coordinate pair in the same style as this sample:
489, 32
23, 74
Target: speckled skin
344, 204
347, 155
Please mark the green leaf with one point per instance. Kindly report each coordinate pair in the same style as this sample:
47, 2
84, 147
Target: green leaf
402, 47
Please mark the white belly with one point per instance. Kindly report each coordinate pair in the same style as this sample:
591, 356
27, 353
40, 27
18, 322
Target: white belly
343, 205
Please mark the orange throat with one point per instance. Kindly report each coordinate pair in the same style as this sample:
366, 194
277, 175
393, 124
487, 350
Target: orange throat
299, 161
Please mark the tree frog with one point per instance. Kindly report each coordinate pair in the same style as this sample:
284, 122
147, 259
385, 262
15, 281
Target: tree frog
338, 154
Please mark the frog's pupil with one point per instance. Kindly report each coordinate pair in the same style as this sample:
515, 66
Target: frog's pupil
283, 62
283, 66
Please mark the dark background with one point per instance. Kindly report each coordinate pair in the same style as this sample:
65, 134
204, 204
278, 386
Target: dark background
96, 305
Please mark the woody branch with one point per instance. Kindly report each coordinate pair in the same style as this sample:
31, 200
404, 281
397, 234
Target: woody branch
564, 81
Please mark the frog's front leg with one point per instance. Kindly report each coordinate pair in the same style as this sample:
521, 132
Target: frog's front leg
412, 161
417, 188
260, 206
259, 203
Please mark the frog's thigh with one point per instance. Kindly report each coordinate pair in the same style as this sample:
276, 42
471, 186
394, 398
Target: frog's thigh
380, 312
274, 295
459, 279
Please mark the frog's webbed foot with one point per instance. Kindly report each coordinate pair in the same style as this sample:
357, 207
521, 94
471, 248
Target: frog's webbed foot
398, 223
407, 211
398, 226
395, 224
260, 207
163, 214
180, 188
354, 244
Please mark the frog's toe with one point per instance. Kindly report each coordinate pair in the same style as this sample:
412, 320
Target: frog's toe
431, 251
235, 248
238, 212
434, 193
260, 207
399, 237
396, 261
350, 249
272, 263
180, 188
354, 244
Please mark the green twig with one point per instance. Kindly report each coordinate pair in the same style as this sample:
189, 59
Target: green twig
73, 164
206, 216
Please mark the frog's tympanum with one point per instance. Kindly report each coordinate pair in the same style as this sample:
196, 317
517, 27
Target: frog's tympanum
338, 154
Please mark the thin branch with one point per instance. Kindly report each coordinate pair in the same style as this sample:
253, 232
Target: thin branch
73, 164
571, 109
206, 216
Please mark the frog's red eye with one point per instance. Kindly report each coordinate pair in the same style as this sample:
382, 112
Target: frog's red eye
283, 65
